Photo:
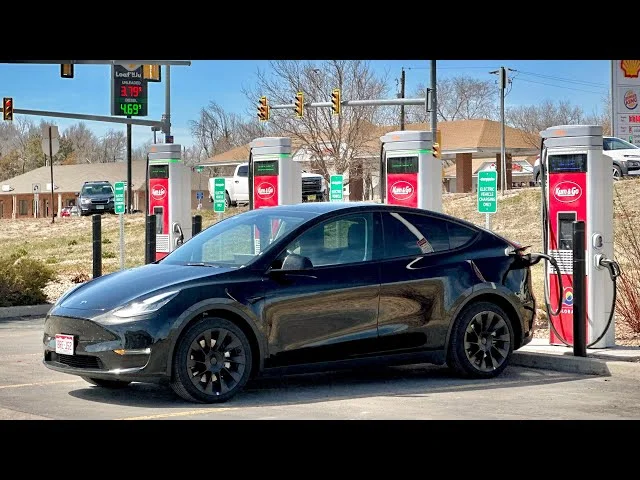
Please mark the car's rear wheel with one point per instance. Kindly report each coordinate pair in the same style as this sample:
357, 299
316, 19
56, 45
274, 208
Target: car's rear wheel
481, 341
227, 200
617, 172
113, 384
212, 362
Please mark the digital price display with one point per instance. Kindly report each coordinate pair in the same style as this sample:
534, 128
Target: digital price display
129, 91
402, 165
571, 163
266, 168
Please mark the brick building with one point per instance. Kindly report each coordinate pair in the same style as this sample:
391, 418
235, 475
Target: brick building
29, 194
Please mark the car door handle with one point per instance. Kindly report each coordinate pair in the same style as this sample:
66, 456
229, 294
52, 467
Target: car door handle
237, 181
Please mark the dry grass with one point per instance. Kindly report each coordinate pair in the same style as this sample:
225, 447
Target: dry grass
67, 244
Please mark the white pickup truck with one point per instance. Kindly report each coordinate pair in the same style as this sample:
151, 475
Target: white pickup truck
314, 188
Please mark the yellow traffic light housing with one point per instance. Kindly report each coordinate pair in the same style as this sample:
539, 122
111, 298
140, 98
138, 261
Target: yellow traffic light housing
7, 108
299, 103
66, 70
263, 109
151, 73
335, 101
436, 148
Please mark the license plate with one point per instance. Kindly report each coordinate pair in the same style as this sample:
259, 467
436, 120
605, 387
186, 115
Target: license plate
64, 344
311, 197
100, 207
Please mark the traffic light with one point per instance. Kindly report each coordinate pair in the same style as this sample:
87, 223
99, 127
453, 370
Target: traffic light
299, 102
335, 101
263, 110
151, 73
7, 108
66, 70
436, 148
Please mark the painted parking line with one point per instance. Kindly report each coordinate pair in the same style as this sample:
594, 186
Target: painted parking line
181, 414
11, 355
38, 384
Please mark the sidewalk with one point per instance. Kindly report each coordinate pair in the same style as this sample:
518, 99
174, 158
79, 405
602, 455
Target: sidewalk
25, 311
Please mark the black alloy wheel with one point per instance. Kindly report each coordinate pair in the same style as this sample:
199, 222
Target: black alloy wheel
212, 362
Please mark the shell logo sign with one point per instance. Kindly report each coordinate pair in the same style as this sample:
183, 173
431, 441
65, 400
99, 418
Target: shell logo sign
631, 68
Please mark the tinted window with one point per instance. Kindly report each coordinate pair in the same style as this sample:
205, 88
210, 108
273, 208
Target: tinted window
409, 234
606, 144
243, 171
459, 235
348, 239
618, 144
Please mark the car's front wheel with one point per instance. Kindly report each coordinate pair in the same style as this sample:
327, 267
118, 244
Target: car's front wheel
212, 362
113, 384
481, 341
617, 172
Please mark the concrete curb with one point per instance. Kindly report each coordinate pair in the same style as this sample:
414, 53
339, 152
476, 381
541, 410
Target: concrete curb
571, 364
25, 311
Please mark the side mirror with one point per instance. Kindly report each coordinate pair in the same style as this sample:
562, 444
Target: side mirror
294, 262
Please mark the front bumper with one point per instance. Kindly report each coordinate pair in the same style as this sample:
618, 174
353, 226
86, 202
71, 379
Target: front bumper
632, 165
97, 208
142, 358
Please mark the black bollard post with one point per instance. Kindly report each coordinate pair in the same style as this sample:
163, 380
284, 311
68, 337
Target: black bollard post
97, 245
196, 225
579, 291
150, 236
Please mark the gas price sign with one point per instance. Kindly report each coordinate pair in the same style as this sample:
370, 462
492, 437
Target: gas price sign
128, 91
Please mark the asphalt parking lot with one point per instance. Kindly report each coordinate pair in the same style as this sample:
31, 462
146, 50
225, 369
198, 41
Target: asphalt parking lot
28, 390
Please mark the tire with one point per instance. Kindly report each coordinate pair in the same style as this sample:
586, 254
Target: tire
210, 374
465, 348
538, 179
111, 384
617, 172
227, 200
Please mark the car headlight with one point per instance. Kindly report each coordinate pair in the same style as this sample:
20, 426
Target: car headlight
86, 200
66, 294
144, 306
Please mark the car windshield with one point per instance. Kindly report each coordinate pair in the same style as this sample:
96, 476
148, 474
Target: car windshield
238, 240
97, 190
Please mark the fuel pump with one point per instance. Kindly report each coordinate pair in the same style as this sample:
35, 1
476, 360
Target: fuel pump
409, 173
274, 177
169, 197
577, 186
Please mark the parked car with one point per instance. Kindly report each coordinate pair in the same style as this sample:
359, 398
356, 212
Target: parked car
314, 188
96, 197
65, 212
303, 287
625, 156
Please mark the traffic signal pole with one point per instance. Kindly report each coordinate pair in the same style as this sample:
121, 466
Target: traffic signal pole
356, 103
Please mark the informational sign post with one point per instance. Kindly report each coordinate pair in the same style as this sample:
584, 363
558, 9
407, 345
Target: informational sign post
119, 207
488, 194
218, 195
625, 99
336, 187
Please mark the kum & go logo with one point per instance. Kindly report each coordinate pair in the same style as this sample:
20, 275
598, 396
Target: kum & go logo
401, 190
266, 190
567, 192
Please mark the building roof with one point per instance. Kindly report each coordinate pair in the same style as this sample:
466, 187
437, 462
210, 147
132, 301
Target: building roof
69, 178
458, 136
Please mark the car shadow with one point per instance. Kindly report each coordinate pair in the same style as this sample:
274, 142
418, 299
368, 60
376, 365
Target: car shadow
414, 380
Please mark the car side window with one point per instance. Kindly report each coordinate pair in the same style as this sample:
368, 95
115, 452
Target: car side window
348, 239
606, 144
243, 171
620, 145
408, 234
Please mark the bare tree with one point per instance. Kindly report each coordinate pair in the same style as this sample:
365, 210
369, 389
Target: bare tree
602, 117
112, 147
83, 143
458, 98
216, 130
328, 140
535, 118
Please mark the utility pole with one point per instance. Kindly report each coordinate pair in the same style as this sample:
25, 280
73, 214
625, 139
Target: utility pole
502, 84
434, 101
129, 175
402, 79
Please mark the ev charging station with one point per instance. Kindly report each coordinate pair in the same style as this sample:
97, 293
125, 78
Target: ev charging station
577, 186
274, 177
409, 173
169, 197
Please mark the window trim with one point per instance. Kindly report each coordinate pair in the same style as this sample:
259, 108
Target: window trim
375, 247
447, 221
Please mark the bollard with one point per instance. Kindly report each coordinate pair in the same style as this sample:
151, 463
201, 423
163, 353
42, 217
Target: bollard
196, 225
579, 291
150, 240
97, 245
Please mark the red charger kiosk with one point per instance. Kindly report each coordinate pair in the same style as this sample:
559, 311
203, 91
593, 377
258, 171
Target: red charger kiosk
169, 197
577, 186
409, 173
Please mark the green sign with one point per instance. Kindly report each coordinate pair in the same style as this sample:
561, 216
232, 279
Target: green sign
218, 195
118, 197
199, 169
335, 188
488, 191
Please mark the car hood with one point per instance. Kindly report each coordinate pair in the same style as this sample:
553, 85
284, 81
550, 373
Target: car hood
117, 289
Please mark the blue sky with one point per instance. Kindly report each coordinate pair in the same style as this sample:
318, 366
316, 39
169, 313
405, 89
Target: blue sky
39, 87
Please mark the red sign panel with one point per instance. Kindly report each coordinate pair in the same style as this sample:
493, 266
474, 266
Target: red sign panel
567, 202
265, 191
402, 189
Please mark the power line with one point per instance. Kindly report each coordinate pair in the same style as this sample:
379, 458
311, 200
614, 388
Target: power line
560, 86
561, 79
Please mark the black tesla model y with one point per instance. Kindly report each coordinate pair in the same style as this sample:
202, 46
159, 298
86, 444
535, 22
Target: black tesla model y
314, 285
